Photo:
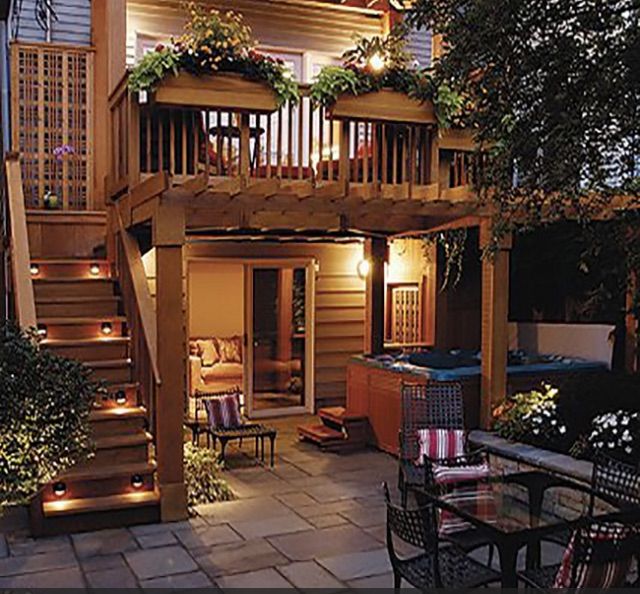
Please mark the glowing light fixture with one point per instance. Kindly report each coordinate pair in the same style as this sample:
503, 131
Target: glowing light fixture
136, 481
106, 328
42, 331
94, 269
121, 397
364, 268
59, 489
376, 62
35, 270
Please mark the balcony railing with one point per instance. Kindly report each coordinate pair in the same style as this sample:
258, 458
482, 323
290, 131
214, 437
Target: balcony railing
300, 147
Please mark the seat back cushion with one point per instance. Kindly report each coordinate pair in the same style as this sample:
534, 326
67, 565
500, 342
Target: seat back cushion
208, 351
440, 443
223, 412
230, 349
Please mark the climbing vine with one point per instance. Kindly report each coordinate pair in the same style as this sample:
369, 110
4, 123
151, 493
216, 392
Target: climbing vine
453, 243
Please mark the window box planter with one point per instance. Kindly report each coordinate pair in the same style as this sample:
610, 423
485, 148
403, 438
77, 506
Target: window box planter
230, 91
385, 105
460, 139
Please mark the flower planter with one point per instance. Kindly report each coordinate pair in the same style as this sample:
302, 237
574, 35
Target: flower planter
460, 139
219, 91
385, 105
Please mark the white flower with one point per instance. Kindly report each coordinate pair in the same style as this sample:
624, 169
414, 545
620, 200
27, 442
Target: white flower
536, 431
554, 422
611, 445
562, 429
628, 450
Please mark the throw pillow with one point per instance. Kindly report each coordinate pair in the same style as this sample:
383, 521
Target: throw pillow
230, 349
208, 352
440, 443
223, 412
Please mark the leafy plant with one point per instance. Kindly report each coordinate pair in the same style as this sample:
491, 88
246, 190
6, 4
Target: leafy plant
453, 242
45, 401
616, 434
214, 42
202, 477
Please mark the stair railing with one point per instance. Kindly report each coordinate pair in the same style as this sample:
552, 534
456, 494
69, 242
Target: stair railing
141, 318
24, 300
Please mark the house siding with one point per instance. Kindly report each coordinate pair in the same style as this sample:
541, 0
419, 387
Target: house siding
72, 27
420, 46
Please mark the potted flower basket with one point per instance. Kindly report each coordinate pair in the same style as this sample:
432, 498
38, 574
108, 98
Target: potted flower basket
384, 105
224, 90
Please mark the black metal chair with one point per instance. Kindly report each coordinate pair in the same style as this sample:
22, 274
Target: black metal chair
433, 566
599, 558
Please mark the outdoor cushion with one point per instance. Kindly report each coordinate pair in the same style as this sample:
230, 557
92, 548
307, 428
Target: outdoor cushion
208, 352
230, 349
223, 412
448, 475
477, 500
592, 574
440, 443
223, 371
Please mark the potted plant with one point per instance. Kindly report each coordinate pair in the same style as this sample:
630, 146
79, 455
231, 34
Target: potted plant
378, 81
214, 64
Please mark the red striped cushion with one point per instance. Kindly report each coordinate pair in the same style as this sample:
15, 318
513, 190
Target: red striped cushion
223, 412
448, 475
441, 443
594, 575
478, 501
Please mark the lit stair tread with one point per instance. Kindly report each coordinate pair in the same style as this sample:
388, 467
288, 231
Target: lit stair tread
66, 342
320, 433
69, 260
81, 321
113, 414
77, 298
73, 279
110, 471
67, 507
338, 414
108, 363
122, 441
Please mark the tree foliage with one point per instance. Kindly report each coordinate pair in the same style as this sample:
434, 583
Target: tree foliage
45, 401
552, 88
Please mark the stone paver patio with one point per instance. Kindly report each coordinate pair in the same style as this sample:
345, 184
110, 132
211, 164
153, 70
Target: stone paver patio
316, 520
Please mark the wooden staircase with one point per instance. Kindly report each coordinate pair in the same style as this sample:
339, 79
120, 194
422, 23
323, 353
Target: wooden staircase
79, 315
339, 430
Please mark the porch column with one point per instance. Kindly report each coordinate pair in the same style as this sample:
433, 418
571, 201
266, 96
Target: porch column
375, 251
168, 240
495, 314
631, 326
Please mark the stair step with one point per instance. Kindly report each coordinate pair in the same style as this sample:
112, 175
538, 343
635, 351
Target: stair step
93, 349
339, 415
73, 287
76, 328
117, 421
70, 268
116, 371
111, 400
49, 307
68, 507
320, 434
119, 449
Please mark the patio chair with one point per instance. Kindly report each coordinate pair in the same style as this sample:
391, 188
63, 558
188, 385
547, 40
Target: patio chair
226, 423
599, 556
432, 566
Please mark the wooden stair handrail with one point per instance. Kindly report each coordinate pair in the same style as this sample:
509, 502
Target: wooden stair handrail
19, 241
142, 295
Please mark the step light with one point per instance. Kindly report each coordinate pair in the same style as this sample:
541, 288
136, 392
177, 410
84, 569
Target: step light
106, 328
137, 481
42, 331
35, 270
121, 398
94, 269
59, 489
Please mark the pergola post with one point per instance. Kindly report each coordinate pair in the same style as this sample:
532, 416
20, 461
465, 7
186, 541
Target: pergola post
168, 240
495, 315
631, 326
375, 251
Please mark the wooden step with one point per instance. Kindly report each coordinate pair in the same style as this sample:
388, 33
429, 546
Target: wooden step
118, 395
118, 421
69, 268
97, 482
91, 349
339, 415
71, 328
119, 449
59, 307
44, 288
91, 505
117, 371
321, 434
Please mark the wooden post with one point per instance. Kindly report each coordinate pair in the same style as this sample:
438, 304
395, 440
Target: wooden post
631, 326
343, 163
168, 240
375, 251
495, 314
245, 146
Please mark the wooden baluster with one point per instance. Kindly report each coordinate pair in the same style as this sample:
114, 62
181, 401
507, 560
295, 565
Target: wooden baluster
375, 174
331, 141
354, 160
300, 109
344, 156
231, 164
195, 118
258, 145
405, 154
290, 139
365, 160
245, 149
385, 155
148, 168
311, 112
183, 125
395, 172
279, 148
161, 140
321, 162
268, 151
412, 158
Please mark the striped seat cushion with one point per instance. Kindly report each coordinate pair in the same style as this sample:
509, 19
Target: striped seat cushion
449, 475
223, 412
593, 574
478, 501
440, 443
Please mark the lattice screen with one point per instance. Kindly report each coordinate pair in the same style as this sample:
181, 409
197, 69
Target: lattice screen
51, 109
405, 314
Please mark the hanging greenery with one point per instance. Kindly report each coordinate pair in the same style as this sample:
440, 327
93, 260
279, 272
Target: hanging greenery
453, 242
214, 42
383, 62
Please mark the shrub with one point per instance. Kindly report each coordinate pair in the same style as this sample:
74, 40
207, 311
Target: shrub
616, 434
45, 401
201, 476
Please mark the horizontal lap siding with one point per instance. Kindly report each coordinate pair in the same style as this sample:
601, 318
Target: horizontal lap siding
73, 26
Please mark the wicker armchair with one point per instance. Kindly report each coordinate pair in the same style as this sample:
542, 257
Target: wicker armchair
434, 566
599, 556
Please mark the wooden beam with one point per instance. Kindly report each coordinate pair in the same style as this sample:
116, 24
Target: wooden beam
461, 223
495, 332
148, 189
375, 251
168, 240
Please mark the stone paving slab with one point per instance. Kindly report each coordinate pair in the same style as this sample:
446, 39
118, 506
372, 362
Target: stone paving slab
263, 578
35, 563
307, 575
240, 557
304, 546
351, 566
183, 581
4, 548
296, 500
103, 542
159, 539
33, 546
160, 562
120, 577
58, 578
243, 510
271, 526
328, 521
103, 562
207, 537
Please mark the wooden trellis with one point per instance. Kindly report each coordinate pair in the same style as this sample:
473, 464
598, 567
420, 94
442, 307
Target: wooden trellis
52, 108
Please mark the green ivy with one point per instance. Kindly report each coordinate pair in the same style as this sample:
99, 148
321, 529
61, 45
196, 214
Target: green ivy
153, 68
45, 401
202, 477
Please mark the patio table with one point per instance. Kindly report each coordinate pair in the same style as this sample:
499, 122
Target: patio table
519, 514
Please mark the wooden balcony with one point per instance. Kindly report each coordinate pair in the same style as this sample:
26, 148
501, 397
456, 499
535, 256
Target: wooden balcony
228, 132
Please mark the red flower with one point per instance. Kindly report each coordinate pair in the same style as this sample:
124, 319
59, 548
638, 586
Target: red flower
159, 47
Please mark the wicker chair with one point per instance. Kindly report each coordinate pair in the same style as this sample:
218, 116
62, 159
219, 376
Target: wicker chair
597, 559
434, 566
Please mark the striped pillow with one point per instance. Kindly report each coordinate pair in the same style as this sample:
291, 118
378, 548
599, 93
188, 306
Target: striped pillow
441, 443
610, 574
478, 501
223, 412
449, 475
